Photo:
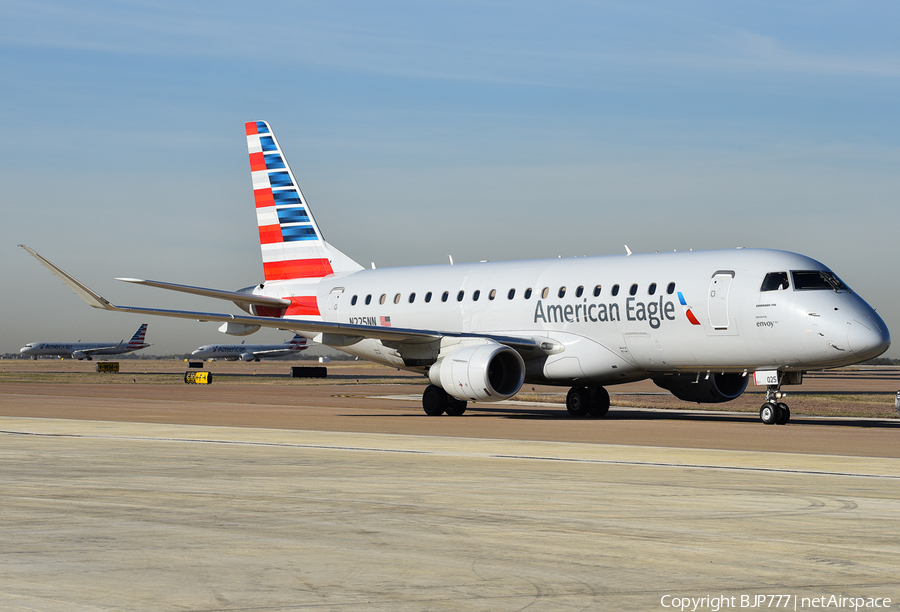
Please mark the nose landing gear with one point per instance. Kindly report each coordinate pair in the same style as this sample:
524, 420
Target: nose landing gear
774, 412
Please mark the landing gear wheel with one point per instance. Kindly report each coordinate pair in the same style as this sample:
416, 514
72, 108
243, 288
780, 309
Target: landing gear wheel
434, 400
599, 402
578, 401
769, 413
785, 414
455, 407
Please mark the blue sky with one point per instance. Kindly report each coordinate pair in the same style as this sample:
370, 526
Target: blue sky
485, 130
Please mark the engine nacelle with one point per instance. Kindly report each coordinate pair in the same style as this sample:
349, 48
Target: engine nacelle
79, 355
247, 356
487, 373
716, 389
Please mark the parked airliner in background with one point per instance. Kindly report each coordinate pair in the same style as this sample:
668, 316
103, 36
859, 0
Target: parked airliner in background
251, 352
700, 323
87, 350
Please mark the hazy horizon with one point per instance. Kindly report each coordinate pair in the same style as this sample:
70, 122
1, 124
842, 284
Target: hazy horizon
479, 130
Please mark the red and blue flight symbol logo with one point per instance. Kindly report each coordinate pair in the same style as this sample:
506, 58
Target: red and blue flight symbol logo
687, 310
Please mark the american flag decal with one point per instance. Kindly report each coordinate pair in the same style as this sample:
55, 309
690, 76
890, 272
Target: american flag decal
385, 321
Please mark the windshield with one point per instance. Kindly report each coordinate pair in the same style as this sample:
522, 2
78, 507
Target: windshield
817, 279
775, 281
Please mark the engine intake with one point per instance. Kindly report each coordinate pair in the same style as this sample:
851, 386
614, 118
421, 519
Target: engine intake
716, 389
487, 373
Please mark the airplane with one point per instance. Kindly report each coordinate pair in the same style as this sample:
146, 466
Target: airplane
251, 352
87, 350
700, 324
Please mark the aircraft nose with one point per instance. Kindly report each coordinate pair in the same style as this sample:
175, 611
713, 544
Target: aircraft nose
868, 336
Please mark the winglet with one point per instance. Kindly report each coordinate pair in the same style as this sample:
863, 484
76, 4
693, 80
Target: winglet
82, 290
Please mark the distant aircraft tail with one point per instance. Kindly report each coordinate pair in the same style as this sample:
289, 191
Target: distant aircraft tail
291, 242
137, 340
298, 343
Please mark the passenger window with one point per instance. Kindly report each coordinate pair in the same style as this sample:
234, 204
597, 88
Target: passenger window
775, 281
492, 294
545, 292
579, 291
670, 289
368, 299
412, 298
397, 299
428, 297
511, 294
633, 290
615, 290
528, 293
383, 298
460, 296
476, 295
651, 290
597, 290
445, 296
353, 301
562, 292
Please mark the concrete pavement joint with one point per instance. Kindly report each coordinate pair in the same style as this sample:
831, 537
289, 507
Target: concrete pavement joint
446, 453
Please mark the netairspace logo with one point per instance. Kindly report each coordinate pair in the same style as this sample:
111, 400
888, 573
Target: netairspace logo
775, 602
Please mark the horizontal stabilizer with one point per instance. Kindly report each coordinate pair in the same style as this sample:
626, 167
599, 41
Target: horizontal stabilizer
350, 330
232, 296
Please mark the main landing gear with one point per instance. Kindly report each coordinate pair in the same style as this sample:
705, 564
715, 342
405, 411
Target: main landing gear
587, 401
436, 402
774, 412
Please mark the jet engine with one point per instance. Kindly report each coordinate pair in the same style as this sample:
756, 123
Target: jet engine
80, 355
486, 372
247, 356
715, 389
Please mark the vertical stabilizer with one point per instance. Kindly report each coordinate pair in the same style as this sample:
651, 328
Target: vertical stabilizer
137, 340
291, 242
297, 343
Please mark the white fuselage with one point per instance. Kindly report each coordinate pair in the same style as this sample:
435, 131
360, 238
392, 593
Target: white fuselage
245, 352
600, 337
76, 350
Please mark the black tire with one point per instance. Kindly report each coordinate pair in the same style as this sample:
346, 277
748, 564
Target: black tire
599, 402
784, 414
769, 413
434, 400
578, 401
455, 407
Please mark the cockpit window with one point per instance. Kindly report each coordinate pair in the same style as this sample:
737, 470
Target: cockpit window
817, 280
775, 281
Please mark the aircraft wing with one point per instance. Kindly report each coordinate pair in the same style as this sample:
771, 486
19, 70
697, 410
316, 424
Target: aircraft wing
272, 352
91, 351
348, 331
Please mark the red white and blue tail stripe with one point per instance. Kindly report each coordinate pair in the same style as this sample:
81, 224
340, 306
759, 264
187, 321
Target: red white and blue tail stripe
298, 343
137, 340
292, 245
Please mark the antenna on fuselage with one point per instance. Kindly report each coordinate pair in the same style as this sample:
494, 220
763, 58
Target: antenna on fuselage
627, 250
373, 265
451, 259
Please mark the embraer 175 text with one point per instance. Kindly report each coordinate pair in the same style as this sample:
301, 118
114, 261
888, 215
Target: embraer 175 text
251, 352
698, 323
87, 350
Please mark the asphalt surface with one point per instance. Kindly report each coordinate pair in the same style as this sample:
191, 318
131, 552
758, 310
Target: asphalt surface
254, 494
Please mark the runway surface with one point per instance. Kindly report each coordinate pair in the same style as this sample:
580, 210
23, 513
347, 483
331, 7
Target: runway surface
172, 497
